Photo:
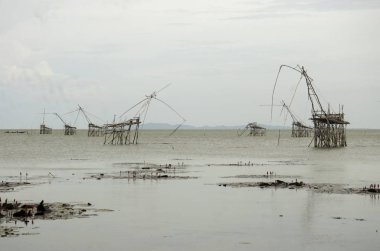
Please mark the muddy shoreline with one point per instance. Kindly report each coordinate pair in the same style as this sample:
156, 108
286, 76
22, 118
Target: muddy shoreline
314, 187
15, 216
144, 170
9, 186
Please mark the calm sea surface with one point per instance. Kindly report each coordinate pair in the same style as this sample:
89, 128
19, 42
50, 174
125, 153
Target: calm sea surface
196, 214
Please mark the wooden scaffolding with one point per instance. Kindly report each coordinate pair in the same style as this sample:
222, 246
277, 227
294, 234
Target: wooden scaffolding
122, 133
70, 130
127, 130
95, 130
253, 129
299, 130
45, 130
329, 127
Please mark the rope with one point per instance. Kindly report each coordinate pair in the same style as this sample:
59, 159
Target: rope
275, 84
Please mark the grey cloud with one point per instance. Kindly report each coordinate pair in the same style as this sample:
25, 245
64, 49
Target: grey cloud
315, 5
288, 8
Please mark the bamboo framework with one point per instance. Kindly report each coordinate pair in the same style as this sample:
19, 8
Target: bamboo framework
122, 133
70, 130
299, 130
253, 130
45, 130
127, 130
329, 127
329, 130
95, 130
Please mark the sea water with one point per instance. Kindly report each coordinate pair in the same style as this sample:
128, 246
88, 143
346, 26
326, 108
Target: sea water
196, 213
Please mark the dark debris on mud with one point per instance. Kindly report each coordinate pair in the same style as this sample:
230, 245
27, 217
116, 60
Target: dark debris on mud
145, 171
10, 186
263, 176
315, 187
268, 163
12, 213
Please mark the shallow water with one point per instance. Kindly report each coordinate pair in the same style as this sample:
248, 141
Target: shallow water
196, 214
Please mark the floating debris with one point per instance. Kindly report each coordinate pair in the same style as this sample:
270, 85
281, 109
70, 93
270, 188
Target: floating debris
338, 218
16, 132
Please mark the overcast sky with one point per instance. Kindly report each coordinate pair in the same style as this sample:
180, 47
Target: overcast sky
221, 57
